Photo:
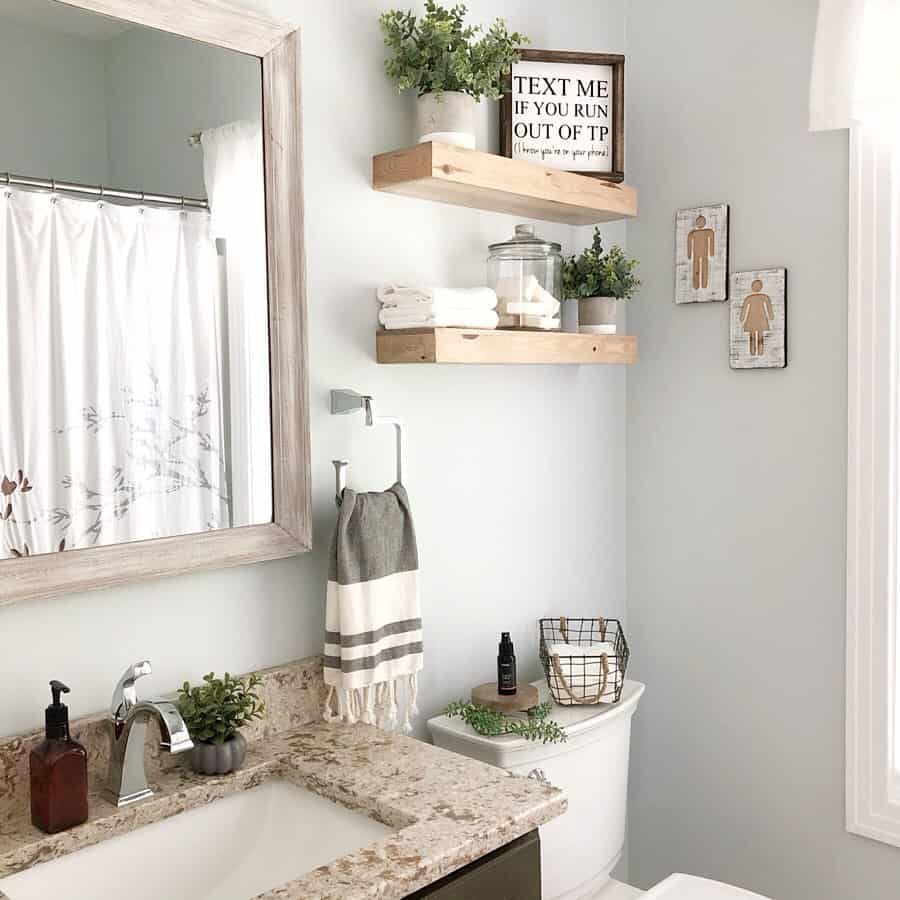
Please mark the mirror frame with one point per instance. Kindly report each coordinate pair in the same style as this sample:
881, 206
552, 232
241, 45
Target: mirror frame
277, 45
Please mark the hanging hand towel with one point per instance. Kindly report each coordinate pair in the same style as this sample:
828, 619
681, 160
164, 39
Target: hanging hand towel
436, 299
373, 622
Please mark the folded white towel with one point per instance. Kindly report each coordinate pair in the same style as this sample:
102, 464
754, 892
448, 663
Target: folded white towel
436, 299
465, 318
545, 323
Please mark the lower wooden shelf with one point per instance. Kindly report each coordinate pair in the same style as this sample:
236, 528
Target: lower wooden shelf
479, 347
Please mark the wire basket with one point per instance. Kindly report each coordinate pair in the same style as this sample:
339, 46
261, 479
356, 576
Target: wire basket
581, 680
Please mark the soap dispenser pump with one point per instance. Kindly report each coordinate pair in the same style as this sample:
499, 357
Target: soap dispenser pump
58, 766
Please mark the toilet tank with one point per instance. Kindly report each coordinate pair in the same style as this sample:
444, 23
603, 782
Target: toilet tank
579, 849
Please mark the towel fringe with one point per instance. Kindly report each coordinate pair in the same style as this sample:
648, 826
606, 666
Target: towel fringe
379, 704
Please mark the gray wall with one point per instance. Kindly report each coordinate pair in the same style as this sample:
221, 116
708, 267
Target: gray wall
736, 480
492, 558
53, 122
117, 109
163, 88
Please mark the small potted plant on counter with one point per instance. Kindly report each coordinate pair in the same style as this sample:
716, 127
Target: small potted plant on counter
450, 64
213, 713
598, 280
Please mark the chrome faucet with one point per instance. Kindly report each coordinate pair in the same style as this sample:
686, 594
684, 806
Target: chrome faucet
128, 718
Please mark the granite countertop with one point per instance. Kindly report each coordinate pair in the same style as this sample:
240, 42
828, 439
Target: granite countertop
449, 810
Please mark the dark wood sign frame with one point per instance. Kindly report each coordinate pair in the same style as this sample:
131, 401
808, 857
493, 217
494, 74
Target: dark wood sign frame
617, 61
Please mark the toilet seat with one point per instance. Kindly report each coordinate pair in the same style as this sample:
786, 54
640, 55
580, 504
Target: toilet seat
687, 887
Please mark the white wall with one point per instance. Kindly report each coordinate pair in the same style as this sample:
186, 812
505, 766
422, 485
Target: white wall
492, 558
53, 121
736, 490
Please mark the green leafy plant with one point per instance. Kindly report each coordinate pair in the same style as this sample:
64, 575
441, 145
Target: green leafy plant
536, 727
598, 274
439, 52
216, 709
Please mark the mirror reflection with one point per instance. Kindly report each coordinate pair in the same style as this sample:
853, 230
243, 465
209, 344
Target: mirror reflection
134, 372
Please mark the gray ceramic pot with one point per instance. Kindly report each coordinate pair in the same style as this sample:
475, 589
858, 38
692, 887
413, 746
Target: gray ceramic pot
597, 315
219, 759
448, 117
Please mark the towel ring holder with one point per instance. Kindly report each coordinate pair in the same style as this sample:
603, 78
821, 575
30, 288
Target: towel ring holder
345, 401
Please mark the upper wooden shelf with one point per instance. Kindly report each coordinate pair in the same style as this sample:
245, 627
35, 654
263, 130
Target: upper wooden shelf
449, 174
480, 347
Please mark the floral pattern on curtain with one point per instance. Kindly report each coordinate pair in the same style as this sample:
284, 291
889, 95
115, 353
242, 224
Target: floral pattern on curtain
110, 374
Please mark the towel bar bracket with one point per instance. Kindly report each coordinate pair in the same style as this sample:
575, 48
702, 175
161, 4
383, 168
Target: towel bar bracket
345, 401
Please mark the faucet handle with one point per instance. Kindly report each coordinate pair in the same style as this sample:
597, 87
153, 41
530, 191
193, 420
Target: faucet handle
125, 694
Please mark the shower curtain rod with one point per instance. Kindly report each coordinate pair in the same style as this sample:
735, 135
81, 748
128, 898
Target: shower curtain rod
96, 190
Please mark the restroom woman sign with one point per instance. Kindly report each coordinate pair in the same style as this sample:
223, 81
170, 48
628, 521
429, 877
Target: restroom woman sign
566, 111
758, 301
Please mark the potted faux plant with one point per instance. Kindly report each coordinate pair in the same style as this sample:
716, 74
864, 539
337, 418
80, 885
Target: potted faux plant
450, 64
598, 280
213, 713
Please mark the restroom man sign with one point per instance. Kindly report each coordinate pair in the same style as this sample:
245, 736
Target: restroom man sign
701, 254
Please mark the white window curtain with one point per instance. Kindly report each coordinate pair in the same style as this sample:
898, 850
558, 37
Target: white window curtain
856, 85
110, 420
856, 64
234, 176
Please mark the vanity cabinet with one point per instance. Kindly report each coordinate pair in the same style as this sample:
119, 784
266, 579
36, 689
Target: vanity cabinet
512, 872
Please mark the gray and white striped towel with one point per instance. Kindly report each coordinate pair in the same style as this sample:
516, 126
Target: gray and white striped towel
373, 620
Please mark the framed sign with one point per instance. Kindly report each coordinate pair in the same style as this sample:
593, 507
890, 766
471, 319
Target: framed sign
701, 254
566, 110
759, 319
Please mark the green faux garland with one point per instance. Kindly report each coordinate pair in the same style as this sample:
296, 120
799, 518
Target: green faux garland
536, 727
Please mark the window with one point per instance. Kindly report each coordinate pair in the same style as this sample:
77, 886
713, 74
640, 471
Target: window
855, 84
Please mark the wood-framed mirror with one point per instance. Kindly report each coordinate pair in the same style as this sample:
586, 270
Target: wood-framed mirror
154, 411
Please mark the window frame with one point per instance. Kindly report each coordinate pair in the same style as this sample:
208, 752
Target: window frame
873, 449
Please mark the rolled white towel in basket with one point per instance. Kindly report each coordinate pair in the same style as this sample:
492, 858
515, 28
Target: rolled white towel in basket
582, 669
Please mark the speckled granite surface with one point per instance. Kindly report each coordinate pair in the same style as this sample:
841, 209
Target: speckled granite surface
450, 810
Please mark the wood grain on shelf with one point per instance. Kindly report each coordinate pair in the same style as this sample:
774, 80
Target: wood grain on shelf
477, 346
448, 174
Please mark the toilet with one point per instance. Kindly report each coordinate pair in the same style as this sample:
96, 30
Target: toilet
582, 847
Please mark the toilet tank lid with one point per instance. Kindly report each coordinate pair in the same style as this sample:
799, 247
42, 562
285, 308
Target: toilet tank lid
687, 887
574, 719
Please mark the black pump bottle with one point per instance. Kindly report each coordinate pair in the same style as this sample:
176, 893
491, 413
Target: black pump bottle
506, 666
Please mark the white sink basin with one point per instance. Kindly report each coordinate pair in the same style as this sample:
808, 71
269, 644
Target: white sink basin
232, 849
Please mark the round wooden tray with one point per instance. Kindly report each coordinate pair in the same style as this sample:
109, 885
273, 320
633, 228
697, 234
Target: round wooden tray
525, 698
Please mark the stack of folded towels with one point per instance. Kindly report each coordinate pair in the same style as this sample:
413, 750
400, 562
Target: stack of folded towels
524, 303
410, 307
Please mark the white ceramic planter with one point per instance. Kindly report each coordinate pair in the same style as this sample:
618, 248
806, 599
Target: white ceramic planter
448, 117
597, 315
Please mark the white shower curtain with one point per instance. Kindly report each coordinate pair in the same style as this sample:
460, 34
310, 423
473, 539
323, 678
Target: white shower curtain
110, 369
234, 177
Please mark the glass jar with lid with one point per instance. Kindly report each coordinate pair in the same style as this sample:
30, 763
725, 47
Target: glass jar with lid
526, 274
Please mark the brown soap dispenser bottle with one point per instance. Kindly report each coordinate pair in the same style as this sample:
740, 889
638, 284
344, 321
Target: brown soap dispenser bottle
59, 785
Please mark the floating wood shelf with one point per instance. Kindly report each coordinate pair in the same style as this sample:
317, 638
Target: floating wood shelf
479, 347
448, 174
